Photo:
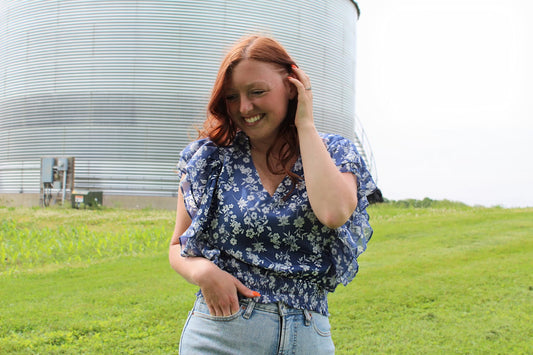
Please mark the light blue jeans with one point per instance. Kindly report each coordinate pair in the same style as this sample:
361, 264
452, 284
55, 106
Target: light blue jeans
258, 329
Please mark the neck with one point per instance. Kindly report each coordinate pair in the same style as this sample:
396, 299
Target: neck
261, 147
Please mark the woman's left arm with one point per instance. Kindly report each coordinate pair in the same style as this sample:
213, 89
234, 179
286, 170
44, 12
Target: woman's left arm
332, 194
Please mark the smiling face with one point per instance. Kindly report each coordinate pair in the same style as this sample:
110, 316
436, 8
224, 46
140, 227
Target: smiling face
257, 99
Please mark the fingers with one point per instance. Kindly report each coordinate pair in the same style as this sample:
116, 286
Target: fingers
222, 306
298, 84
301, 82
223, 309
245, 291
304, 110
300, 79
221, 294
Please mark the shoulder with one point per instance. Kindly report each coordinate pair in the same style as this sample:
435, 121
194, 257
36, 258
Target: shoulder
200, 146
331, 138
344, 153
336, 142
199, 153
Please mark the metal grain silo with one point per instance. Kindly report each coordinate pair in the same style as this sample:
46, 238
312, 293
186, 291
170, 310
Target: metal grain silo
120, 85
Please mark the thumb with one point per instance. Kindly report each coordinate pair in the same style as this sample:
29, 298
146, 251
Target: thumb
245, 291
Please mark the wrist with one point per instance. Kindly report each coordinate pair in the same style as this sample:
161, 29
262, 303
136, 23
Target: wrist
202, 271
306, 131
305, 126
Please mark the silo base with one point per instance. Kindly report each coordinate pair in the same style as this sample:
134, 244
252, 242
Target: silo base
112, 201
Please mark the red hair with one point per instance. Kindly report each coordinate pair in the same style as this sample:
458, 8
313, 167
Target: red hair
218, 125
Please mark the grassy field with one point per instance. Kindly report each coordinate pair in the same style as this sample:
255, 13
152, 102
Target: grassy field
438, 278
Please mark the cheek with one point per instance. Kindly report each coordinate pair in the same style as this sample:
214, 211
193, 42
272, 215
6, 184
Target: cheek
283, 106
231, 108
233, 112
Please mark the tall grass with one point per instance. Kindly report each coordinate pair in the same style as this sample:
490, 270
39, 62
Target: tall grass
438, 278
52, 238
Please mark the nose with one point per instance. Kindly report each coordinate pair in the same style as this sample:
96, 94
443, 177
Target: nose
245, 106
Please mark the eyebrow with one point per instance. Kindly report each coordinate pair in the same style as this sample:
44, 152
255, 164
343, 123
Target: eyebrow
254, 83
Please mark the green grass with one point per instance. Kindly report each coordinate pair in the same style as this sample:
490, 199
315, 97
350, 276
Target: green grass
57, 237
437, 278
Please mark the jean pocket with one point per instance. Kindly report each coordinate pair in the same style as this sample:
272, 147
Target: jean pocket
201, 310
321, 324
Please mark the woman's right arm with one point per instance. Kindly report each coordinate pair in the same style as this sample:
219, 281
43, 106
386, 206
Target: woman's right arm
219, 288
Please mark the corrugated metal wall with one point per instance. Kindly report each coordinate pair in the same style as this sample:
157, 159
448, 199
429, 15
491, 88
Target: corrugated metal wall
119, 85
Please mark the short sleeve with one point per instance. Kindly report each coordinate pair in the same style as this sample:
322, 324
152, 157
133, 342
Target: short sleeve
199, 165
345, 155
195, 167
353, 236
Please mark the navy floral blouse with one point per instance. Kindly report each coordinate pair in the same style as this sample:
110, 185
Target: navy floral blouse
273, 244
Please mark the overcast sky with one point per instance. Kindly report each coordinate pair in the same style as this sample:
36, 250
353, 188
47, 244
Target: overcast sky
445, 94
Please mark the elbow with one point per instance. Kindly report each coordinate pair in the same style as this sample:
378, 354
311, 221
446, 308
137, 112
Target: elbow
334, 210
174, 254
333, 222
335, 219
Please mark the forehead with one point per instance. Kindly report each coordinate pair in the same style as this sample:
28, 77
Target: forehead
248, 72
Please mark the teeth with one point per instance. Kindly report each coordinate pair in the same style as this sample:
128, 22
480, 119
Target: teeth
252, 119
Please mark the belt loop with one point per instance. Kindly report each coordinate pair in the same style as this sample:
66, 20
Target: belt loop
308, 317
281, 309
249, 309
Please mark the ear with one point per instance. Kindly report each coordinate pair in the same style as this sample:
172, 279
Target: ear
293, 92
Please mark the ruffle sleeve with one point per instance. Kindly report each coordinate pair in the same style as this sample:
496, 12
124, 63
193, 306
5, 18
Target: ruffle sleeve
199, 165
353, 236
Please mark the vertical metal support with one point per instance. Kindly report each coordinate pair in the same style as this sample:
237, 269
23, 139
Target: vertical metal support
64, 187
62, 165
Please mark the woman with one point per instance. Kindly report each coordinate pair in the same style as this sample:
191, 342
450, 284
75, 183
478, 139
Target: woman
271, 214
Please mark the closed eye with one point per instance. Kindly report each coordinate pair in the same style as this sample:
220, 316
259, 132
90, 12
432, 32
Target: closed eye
258, 92
231, 98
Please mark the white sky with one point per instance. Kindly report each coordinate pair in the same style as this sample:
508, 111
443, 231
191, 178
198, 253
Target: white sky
445, 94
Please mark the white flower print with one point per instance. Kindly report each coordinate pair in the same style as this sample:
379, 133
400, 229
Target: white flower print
250, 233
283, 221
275, 246
242, 204
299, 222
259, 247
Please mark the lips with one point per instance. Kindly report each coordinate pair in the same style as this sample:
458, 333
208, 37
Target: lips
252, 119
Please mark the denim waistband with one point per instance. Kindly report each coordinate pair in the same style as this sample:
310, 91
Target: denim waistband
279, 308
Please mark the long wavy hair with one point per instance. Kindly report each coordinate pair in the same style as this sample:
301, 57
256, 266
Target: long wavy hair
218, 125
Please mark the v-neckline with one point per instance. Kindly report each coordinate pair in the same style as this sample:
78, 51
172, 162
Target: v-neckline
281, 184
261, 182
276, 190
